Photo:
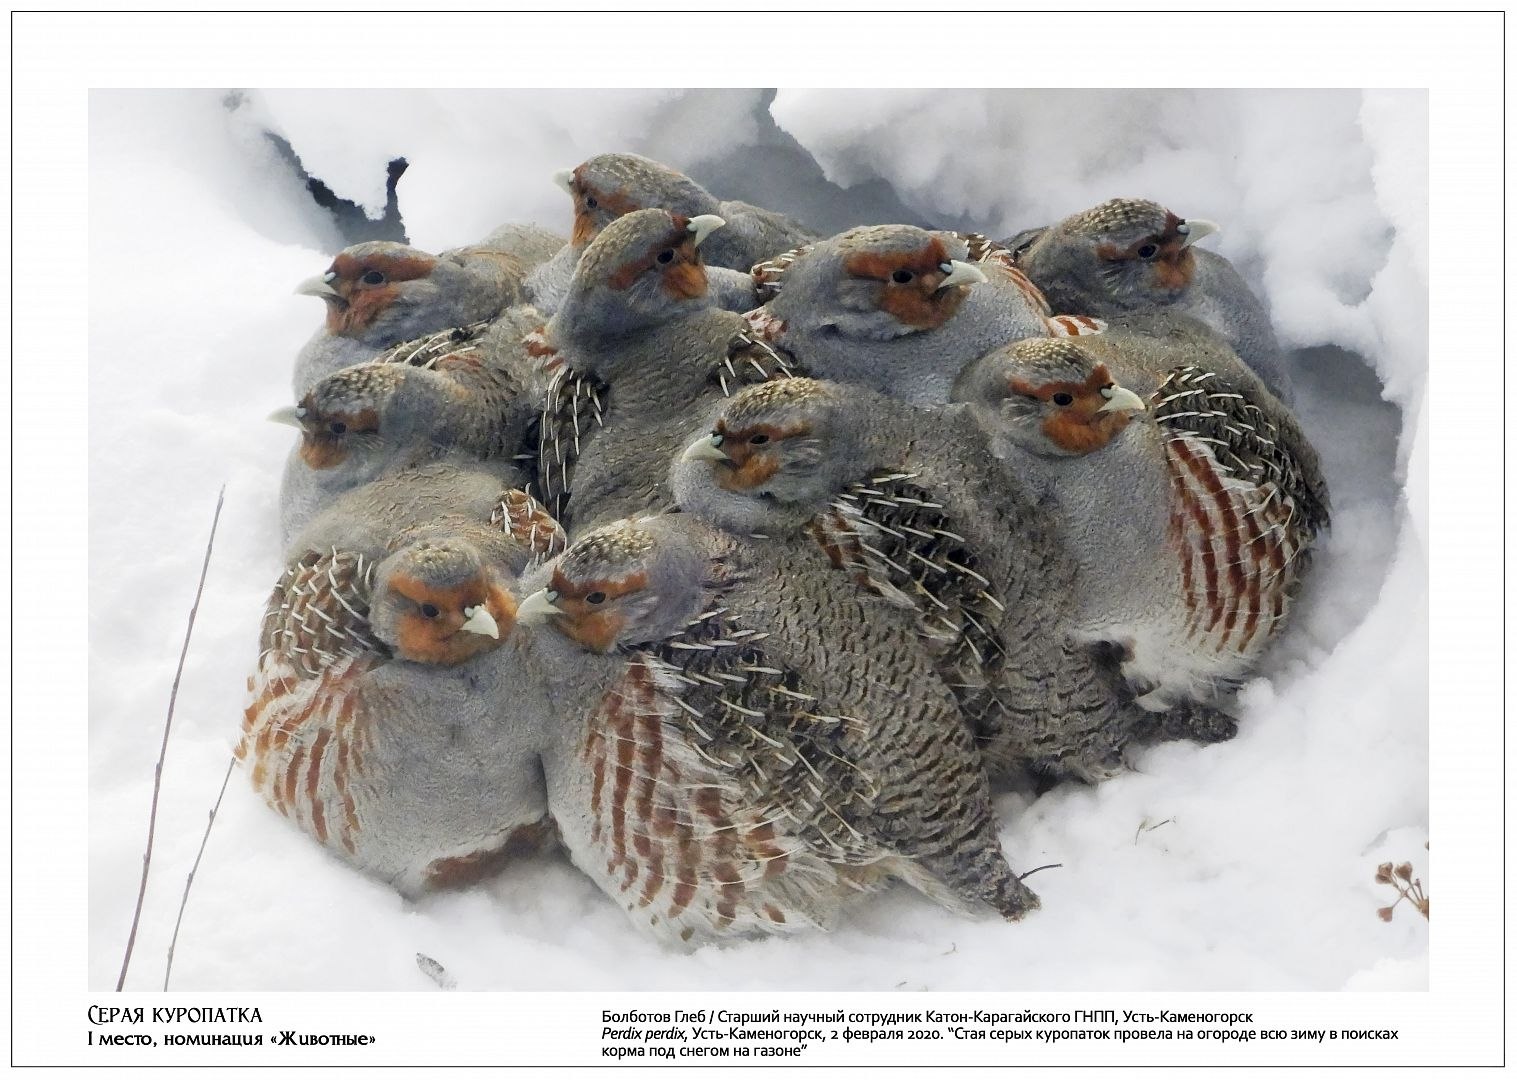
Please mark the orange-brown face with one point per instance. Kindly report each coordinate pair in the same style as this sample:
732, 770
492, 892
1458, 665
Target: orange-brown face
676, 261
587, 614
1173, 263
1076, 423
323, 440
909, 284
592, 206
367, 286
432, 631
750, 450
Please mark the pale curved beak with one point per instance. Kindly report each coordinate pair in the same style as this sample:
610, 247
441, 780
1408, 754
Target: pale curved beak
480, 621
703, 225
538, 607
960, 273
563, 178
1194, 229
1121, 399
706, 448
290, 414
319, 286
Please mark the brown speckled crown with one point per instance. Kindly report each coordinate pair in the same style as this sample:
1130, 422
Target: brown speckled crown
594, 554
615, 171
359, 386
1117, 214
1052, 356
758, 400
441, 564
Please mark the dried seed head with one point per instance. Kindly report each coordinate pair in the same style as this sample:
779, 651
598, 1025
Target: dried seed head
1404, 871
1383, 874
1385, 914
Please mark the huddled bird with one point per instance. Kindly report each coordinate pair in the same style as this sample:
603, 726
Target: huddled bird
381, 294
469, 397
771, 739
380, 715
1134, 256
741, 563
609, 186
636, 345
900, 309
1191, 509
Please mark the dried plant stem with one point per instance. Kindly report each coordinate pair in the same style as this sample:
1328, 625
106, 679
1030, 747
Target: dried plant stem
152, 820
168, 966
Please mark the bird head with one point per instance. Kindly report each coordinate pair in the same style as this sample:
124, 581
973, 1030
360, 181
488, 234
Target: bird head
374, 288
643, 269
359, 412
609, 186
877, 282
631, 582
1130, 252
383, 293
437, 601
772, 458
1049, 396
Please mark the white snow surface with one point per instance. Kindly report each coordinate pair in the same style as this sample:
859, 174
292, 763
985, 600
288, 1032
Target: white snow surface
1243, 866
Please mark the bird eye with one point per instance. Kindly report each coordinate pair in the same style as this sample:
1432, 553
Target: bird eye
1061, 398
1148, 251
337, 427
597, 597
373, 277
590, 203
666, 256
901, 277
757, 440
430, 611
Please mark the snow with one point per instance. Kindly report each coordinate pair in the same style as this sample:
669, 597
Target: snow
1245, 866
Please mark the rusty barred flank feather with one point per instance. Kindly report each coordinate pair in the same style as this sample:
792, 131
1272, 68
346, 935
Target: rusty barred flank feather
522, 518
676, 828
1243, 514
301, 734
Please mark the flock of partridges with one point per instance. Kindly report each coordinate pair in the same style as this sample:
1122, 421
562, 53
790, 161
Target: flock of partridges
741, 563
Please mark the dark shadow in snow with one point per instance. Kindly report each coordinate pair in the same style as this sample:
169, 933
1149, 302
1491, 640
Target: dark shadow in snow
1355, 431
353, 225
777, 173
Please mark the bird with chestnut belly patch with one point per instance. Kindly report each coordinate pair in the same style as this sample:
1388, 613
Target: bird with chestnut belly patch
434, 630
1168, 252
910, 284
584, 611
363, 288
1083, 418
676, 259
